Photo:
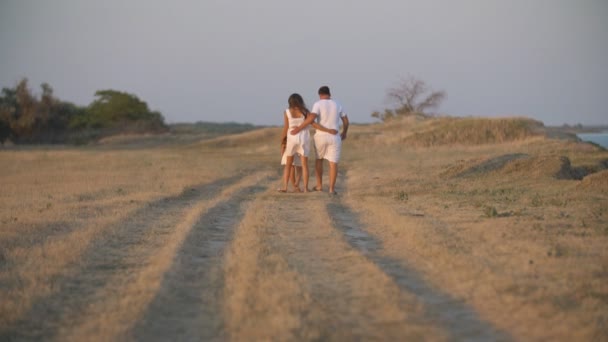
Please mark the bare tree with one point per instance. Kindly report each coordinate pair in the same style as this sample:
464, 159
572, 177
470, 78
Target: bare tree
411, 96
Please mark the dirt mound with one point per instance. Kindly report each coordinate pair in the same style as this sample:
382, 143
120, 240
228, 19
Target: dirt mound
597, 181
521, 165
545, 166
485, 166
474, 131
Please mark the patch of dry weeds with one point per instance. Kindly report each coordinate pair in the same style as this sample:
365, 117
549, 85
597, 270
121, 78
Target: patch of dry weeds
509, 228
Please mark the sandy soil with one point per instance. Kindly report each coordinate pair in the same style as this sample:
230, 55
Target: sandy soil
502, 241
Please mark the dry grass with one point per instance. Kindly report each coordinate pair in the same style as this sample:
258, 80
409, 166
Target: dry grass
291, 276
514, 229
128, 294
596, 181
56, 204
263, 296
418, 132
489, 212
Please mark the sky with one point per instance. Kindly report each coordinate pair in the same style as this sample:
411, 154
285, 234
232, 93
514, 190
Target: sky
238, 61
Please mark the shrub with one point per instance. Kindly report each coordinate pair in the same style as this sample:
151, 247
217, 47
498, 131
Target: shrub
412, 97
28, 118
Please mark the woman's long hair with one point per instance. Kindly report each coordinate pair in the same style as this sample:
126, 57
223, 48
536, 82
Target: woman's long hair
296, 101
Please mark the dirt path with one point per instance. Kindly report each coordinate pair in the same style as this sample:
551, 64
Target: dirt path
334, 292
313, 272
234, 260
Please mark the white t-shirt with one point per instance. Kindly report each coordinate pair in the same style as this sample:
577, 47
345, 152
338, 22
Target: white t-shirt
328, 113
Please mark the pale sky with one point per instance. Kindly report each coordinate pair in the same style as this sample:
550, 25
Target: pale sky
222, 60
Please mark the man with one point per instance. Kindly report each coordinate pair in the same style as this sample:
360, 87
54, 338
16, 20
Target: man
327, 145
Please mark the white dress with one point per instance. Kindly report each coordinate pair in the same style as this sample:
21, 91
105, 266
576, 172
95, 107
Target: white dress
296, 160
300, 143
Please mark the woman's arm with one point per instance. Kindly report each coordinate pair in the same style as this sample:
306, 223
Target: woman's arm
310, 118
323, 129
285, 126
284, 132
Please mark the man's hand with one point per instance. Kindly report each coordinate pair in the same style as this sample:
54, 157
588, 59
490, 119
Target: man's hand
332, 131
345, 124
295, 131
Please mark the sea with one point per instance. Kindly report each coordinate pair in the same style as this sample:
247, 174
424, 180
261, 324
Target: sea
598, 138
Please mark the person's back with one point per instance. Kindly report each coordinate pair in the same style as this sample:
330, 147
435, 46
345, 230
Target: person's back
328, 113
294, 121
328, 146
297, 141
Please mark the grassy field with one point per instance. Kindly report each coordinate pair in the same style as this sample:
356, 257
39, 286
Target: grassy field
443, 229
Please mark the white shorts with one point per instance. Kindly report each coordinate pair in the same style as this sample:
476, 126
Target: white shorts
296, 160
328, 146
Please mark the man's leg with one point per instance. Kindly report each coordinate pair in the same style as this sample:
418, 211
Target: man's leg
334, 154
319, 174
333, 174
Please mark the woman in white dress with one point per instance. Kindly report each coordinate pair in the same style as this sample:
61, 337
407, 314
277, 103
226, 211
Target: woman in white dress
299, 143
295, 174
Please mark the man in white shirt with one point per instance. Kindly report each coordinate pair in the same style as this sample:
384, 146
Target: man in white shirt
328, 146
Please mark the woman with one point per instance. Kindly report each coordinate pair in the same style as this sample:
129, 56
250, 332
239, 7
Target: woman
295, 174
299, 143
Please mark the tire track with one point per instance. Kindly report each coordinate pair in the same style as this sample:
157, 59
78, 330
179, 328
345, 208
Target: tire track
459, 320
112, 313
37, 234
27, 272
105, 257
188, 304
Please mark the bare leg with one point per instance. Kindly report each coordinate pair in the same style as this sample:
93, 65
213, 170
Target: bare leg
286, 172
305, 172
319, 173
333, 174
292, 178
298, 176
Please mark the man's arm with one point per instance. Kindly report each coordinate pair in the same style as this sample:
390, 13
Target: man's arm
309, 119
345, 124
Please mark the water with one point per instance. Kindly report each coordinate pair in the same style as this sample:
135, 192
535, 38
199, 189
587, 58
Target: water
598, 138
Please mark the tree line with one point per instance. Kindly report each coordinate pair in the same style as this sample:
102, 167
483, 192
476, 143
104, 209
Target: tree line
26, 118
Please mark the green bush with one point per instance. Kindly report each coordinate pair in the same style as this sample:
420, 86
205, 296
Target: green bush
26, 118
